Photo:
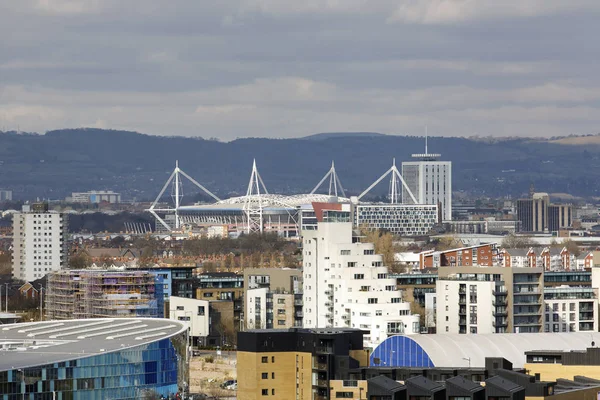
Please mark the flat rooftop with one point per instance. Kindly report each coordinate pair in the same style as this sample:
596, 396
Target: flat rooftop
29, 344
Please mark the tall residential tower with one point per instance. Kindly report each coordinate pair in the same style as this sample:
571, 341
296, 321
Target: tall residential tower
38, 242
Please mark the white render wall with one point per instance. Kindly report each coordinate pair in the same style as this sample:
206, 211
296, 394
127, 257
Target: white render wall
199, 324
346, 285
430, 182
253, 310
448, 317
37, 244
567, 312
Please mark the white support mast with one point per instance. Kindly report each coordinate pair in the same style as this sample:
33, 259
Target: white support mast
253, 205
335, 185
177, 196
394, 194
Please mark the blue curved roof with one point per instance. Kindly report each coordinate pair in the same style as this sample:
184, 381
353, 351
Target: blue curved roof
455, 350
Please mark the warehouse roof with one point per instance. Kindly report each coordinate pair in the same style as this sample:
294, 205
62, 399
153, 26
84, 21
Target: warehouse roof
29, 344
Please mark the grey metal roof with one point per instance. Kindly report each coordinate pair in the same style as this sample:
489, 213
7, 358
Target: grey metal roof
29, 344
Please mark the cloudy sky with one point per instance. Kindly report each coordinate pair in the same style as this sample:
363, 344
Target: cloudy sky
289, 68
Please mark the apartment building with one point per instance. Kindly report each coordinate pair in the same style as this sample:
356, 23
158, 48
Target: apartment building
570, 309
296, 363
489, 300
91, 293
272, 298
39, 245
194, 312
225, 293
483, 254
345, 284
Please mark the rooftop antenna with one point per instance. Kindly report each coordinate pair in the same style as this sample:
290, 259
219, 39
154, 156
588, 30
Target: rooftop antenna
426, 156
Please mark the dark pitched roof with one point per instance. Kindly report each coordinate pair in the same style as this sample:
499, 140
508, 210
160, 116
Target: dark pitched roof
464, 384
424, 384
386, 383
504, 384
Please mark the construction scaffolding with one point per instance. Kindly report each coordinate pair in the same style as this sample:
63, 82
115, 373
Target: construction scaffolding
79, 294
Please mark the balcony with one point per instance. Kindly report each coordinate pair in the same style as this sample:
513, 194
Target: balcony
462, 311
298, 302
320, 366
500, 323
322, 383
462, 321
500, 313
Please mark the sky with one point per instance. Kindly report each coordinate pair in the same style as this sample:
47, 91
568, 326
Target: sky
281, 68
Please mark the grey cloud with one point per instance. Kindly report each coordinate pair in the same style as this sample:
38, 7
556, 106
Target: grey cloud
281, 69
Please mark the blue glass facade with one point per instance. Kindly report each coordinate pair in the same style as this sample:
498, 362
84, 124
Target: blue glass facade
157, 368
400, 351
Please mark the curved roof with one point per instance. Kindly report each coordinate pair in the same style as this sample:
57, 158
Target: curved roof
455, 350
292, 201
30, 344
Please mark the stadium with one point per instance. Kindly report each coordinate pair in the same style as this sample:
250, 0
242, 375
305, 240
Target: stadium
261, 211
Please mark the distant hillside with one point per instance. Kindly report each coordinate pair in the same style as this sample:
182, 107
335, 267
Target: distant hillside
340, 135
60, 162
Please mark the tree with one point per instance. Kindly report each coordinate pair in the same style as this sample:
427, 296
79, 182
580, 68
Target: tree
79, 261
513, 241
572, 247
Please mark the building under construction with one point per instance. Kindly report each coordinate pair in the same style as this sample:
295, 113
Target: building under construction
77, 294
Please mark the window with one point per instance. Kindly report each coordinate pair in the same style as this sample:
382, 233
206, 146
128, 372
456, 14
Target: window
359, 276
280, 311
378, 312
201, 310
179, 308
372, 300
264, 375
351, 264
273, 359
376, 264
273, 392
344, 395
381, 276
396, 300
369, 252
265, 392
272, 375
264, 360
280, 301
280, 322
344, 252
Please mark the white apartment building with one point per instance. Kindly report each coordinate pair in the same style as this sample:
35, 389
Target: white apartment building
38, 242
195, 313
347, 285
430, 181
570, 309
465, 306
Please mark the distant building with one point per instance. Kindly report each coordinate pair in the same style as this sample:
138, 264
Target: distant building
430, 181
79, 294
347, 285
399, 219
6, 195
94, 197
484, 255
273, 298
560, 216
39, 242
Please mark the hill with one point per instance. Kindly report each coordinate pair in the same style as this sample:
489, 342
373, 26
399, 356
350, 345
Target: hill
59, 162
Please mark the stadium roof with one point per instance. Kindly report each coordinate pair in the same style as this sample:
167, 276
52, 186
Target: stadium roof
456, 350
30, 344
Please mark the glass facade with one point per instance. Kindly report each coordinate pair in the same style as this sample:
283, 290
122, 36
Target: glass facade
155, 369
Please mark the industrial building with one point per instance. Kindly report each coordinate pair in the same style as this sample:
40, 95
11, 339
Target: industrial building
131, 358
39, 244
75, 294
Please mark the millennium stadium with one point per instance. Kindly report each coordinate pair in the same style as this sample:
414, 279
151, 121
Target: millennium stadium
287, 215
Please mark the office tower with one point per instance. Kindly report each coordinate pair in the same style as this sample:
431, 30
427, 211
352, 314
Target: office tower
533, 212
430, 182
347, 285
38, 242
560, 216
